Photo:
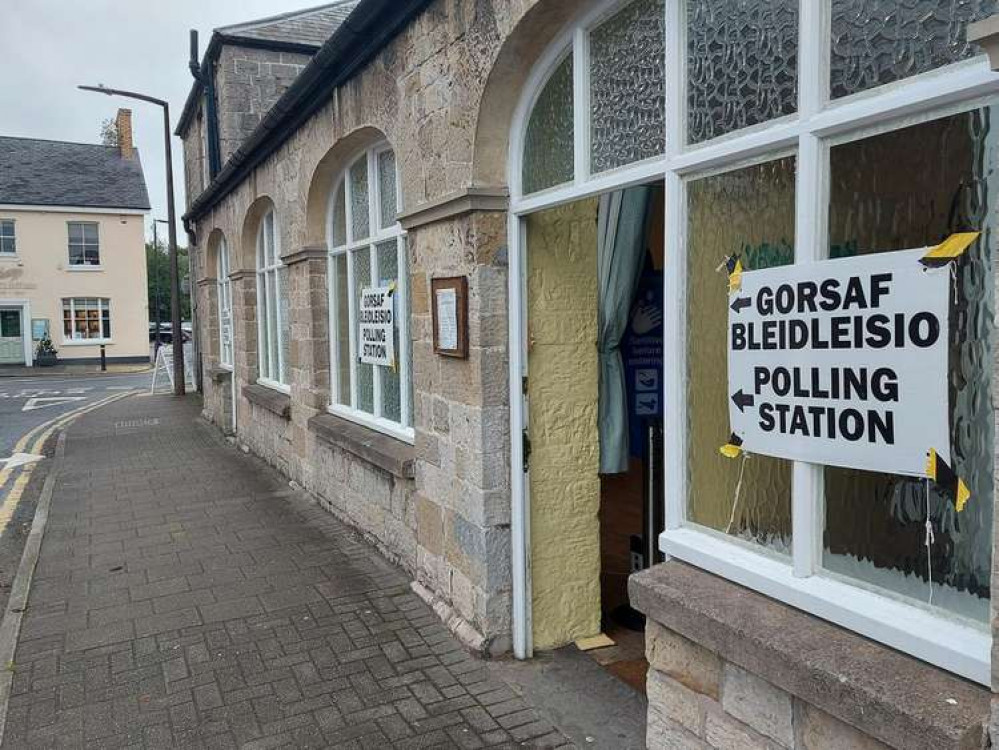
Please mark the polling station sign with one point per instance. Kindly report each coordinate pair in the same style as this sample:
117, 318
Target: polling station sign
842, 362
375, 319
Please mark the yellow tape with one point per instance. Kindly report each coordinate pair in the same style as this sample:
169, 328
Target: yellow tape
735, 277
950, 249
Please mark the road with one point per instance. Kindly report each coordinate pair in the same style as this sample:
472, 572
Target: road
30, 410
26, 403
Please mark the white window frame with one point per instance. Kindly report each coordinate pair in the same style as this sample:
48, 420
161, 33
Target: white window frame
950, 642
7, 254
102, 303
224, 294
402, 430
84, 266
269, 265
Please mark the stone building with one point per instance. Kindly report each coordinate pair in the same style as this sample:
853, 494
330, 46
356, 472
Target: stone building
468, 282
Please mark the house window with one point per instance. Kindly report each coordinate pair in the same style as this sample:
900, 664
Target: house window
799, 154
274, 315
84, 244
86, 319
225, 305
8, 244
368, 250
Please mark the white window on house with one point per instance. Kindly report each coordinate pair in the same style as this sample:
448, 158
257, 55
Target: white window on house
8, 243
84, 243
368, 251
817, 146
273, 313
86, 319
224, 290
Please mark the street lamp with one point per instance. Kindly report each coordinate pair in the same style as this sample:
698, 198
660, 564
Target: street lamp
178, 339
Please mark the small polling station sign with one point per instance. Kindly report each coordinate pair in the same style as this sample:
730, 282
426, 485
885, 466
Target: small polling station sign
376, 317
842, 362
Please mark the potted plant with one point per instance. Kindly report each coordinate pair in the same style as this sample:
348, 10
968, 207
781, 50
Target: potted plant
45, 353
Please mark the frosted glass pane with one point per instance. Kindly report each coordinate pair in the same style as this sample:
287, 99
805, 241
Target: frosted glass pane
341, 342
627, 86
272, 329
742, 63
359, 199
881, 200
386, 187
548, 141
365, 375
758, 205
388, 272
339, 225
878, 41
263, 312
284, 292
270, 253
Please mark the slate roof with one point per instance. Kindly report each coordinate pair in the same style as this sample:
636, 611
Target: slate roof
56, 173
311, 26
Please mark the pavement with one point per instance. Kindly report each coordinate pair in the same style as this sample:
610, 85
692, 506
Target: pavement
185, 596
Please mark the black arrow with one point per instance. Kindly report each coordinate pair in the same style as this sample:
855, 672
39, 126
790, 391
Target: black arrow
740, 302
742, 400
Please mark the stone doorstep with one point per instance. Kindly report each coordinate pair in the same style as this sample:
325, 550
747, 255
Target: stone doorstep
888, 695
387, 453
268, 398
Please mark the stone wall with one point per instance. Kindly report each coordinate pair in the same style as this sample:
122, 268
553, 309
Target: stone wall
699, 700
449, 524
248, 80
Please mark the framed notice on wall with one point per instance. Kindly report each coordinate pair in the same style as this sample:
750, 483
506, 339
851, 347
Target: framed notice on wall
449, 303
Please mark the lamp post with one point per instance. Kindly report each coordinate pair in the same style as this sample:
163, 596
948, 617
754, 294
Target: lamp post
178, 338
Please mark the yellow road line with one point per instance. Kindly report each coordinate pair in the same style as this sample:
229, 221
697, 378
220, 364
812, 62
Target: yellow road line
49, 427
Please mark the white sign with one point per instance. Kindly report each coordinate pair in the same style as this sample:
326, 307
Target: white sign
164, 362
842, 362
376, 339
447, 319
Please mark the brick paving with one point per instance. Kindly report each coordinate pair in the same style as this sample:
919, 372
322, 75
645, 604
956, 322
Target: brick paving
186, 597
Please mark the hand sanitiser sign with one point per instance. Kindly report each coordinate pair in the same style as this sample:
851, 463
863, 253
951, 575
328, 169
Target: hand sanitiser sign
842, 362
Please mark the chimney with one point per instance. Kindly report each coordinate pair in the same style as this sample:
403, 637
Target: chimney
123, 123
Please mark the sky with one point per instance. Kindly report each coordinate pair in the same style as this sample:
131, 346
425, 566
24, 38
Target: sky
48, 47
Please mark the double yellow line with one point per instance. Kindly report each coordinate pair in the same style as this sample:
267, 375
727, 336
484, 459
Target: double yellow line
39, 434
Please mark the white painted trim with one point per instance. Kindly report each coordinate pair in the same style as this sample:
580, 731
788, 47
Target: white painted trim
948, 642
73, 210
384, 426
519, 506
80, 268
274, 385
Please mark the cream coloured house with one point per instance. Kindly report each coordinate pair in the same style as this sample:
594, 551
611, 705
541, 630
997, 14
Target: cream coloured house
72, 249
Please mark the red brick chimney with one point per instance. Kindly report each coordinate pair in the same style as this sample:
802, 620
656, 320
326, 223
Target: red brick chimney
123, 123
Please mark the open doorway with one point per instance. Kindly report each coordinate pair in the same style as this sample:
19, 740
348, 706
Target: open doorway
593, 307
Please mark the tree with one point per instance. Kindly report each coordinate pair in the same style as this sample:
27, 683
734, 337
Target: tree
158, 280
109, 132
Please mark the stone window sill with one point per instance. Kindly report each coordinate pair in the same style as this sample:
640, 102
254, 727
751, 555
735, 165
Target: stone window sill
900, 700
219, 374
268, 398
394, 456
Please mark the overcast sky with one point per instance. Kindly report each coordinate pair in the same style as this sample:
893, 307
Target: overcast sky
47, 47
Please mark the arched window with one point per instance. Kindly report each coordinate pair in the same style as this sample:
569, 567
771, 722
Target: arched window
273, 315
368, 278
224, 289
